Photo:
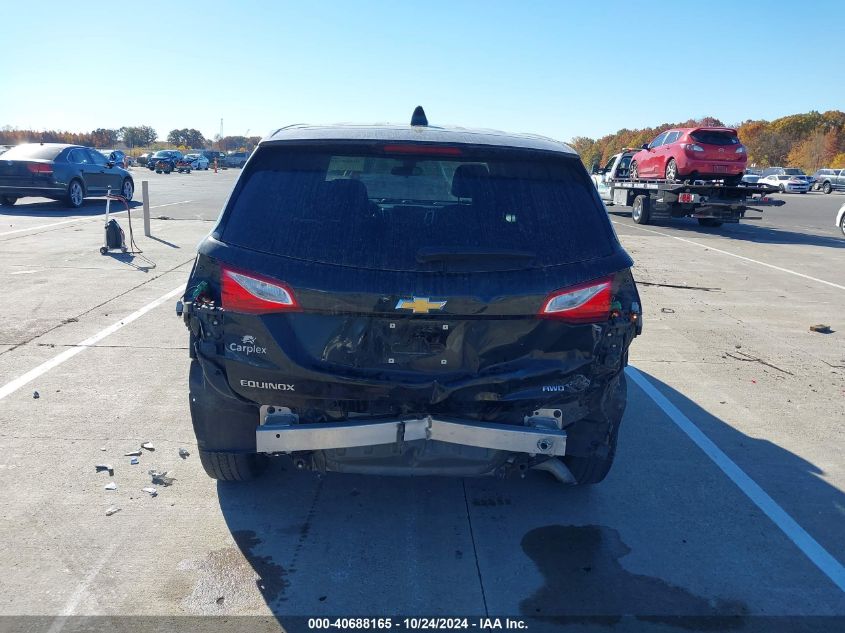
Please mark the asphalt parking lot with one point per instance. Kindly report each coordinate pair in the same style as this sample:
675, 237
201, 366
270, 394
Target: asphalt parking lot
724, 510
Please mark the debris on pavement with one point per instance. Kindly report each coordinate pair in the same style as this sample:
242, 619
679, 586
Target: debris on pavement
148, 446
101, 467
183, 453
820, 328
753, 359
36, 395
133, 454
112, 510
667, 310
103, 448
134, 461
152, 491
111, 486
161, 478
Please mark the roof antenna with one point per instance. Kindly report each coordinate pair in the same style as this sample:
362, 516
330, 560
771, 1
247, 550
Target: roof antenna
418, 117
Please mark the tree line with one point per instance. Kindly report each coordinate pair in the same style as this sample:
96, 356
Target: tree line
810, 141
141, 136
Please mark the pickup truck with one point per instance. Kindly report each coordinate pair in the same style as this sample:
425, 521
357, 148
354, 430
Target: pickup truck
712, 203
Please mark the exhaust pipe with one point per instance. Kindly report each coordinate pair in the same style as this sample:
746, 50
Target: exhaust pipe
558, 470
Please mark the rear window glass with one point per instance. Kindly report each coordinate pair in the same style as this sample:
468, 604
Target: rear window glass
366, 208
35, 151
711, 137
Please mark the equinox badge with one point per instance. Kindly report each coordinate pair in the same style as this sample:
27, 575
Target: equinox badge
419, 305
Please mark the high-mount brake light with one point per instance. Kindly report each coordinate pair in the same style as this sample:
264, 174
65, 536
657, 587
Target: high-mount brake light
584, 303
436, 150
39, 168
249, 293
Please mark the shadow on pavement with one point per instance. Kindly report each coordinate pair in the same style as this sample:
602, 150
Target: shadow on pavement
354, 545
59, 209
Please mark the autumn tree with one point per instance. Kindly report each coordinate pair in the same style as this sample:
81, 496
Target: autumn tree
138, 136
187, 137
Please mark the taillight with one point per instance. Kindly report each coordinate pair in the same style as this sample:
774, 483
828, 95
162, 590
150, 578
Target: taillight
585, 303
42, 169
437, 150
693, 147
686, 197
249, 293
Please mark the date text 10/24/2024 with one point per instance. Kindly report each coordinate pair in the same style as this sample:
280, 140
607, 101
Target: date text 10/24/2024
416, 624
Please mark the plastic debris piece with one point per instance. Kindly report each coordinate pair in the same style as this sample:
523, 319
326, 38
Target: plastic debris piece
160, 478
821, 328
133, 454
101, 467
134, 461
148, 446
112, 510
183, 453
152, 491
36, 395
111, 486
102, 448
667, 310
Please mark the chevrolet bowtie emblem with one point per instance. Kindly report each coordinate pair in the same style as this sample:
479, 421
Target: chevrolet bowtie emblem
420, 305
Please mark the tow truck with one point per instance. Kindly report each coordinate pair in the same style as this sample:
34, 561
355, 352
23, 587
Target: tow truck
712, 203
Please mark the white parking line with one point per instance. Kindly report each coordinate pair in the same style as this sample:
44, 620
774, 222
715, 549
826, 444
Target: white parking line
17, 383
84, 218
81, 590
831, 567
719, 250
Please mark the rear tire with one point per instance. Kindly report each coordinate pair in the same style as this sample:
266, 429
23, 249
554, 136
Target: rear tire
127, 190
842, 225
671, 172
641, 210
8, 201
232, 466
826, 188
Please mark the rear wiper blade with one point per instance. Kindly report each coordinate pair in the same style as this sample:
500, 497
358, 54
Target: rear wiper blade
434, 254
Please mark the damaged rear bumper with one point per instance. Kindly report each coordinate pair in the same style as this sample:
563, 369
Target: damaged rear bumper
278, 434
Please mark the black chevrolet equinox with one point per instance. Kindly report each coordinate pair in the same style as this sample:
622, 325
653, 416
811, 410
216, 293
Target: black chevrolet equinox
410, 300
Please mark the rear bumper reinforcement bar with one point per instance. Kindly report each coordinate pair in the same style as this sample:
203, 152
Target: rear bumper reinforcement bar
275, 437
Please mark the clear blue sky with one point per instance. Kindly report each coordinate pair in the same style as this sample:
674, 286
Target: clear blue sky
553, 67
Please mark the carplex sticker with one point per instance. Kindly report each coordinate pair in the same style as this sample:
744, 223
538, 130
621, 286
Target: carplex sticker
247, 346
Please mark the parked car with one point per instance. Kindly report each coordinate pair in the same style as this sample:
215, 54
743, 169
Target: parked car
143, 158
751, 178
115, 156
196, 161
789, 171
164, 161
828, 180
60, 172
457, 307
236, 159
786, 184
3, 148
708, 153
840, 219
211, 155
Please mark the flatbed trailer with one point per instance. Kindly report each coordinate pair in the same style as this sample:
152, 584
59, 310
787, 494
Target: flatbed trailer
711, 203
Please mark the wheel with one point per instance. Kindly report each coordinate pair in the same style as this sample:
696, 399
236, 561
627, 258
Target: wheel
781, 189
842, 224
232, 466
671, 170
604, 433
103, 250
709, 222
127, 190
75, 194
635, 171
826, 188
641, 210
8, 201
